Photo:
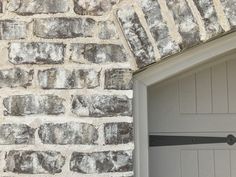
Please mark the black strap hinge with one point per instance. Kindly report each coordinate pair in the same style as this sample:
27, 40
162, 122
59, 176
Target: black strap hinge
162, 140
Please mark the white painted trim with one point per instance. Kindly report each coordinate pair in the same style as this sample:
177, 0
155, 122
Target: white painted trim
190, 58
141, 130
164, 70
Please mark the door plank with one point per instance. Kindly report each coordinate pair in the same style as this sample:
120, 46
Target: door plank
219, 88
187, 94
206, 163
233, 162
231, 65
222, 163
203, 86
189, 163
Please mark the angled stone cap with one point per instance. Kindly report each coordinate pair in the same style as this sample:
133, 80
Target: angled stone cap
156, 29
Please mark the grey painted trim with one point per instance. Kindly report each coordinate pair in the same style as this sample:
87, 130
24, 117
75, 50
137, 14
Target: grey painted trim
161, 71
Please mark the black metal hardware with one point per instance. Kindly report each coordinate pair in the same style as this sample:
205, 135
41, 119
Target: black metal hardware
162, 140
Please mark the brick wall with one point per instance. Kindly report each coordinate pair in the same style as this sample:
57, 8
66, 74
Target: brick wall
66, 77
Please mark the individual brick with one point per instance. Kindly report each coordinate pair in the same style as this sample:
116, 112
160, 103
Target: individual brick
119, 79
107, 30
97, 7
36, 53
118, 133
98, 53
101, 105
15, 77
59, 78
21, 105
68, 133
16, 134
34, 162
30, 7
13, 30
230, 11
101, 162
208, 13
158, 27
185, 21
136, 36
64, 27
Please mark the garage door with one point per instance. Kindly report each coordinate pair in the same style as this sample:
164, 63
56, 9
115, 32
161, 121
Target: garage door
193, 114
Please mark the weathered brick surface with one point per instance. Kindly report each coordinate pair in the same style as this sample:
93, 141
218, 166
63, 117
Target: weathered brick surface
36, 53
184, 19
60, 78
21, 105
68, 133
34, 162
11, 29
16, 134
118, 133
1, 10
120, 79
208, 12
101, 162
107, 30
64, 27
136, 36
66, 76
29, 7
98, 53
15, 77
101, 105
97, 7
158, 27
230, 12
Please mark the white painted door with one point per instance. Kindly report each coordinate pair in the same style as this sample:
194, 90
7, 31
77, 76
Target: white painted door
201, 102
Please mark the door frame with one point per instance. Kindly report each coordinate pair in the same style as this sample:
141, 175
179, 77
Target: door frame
163, 70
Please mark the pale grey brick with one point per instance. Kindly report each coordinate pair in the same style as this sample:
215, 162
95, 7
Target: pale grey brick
136, 36
30, 7
34, 162
101, 105
185, 22
64, 27
68, 133
101, 162
60, 78
36, 53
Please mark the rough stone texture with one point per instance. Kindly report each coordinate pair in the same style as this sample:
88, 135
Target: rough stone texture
21, 105
15, 77
98, 53
101, 105
60, 78
1, 6
230, 12
34, 162
68, 133
158, 27
107, 30
36, 53
12, 30
208, 13
102, 162
29, 7
80, 98
185, 21
136, 36
64, 27
96, 7
119, 79
118, 133
16, 134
